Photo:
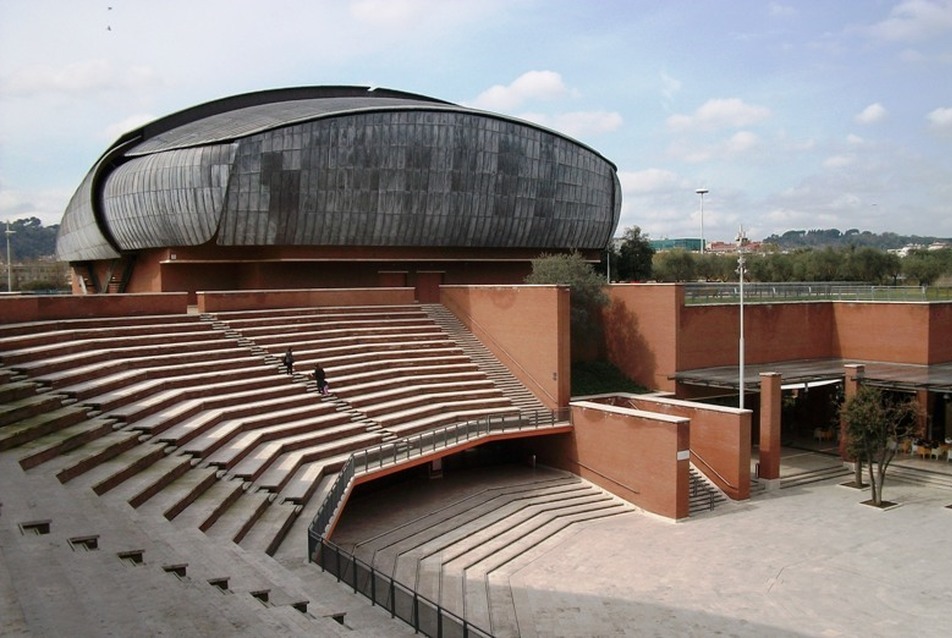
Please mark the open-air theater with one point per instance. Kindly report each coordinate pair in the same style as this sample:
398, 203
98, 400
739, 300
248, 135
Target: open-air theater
152, 439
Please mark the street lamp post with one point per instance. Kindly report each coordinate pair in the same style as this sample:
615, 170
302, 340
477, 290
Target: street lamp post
702, 192
9, 259
741, 240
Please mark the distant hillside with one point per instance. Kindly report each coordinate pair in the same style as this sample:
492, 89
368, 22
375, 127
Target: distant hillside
31, 240
832, 237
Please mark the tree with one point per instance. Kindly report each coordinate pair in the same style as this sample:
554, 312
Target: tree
585, 285
634, 256
674, 265
924, 266
875, 423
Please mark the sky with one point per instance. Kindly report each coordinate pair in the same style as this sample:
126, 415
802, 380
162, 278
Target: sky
794, 115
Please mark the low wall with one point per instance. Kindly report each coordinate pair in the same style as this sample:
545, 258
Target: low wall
18, 309
224, 301
720, 436
526, 327
641, 331
639, 456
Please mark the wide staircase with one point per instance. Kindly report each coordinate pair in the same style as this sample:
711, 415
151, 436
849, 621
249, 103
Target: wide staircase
193, 422
461, 553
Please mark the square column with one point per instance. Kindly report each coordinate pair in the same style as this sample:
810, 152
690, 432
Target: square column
770, 394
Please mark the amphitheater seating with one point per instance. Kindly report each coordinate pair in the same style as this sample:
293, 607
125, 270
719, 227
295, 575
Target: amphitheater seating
192, 421
192, 418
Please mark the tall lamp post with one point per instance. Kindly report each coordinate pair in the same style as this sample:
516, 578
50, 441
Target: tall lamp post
702, 192
9, 259
741, 240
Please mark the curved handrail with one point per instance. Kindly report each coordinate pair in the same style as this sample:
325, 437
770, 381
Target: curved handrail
406, 448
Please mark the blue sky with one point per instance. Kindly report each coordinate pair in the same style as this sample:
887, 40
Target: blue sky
795, 115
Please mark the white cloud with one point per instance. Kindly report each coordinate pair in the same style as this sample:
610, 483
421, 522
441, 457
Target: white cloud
577, 123
741, 142
648, 181
871, 114
47, 205
838, 161
78, 77
669, 86
914, 20
717, 114
854, 140
941, 119
778, 10
114, 131
544, 85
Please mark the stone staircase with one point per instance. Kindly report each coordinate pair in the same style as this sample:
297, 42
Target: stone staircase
503, 379
704, 496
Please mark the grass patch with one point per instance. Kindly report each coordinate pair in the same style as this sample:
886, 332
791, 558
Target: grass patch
599, 377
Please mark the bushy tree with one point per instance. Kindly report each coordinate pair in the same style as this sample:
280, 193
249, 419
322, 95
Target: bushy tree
924, 266
634, 256
585, 285
875, 423
675, 265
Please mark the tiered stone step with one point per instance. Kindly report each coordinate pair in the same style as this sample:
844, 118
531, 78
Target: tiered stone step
501, 376
230, 441
140, 576
56, 359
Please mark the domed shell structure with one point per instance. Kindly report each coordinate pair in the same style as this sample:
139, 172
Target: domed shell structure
341, 167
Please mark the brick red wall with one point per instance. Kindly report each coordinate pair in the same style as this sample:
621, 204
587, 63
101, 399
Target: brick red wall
772, 332
720, 439
894, 332
42, 307
641, 331
633, 455
526, 327
940, 332
223, 301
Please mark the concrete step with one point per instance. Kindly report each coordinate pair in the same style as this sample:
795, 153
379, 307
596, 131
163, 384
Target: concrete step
230, 441
47, 447
234, 522
270, 529
208, 506
38, 418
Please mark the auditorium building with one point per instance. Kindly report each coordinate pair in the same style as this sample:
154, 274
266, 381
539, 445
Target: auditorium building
383, 237
333, 186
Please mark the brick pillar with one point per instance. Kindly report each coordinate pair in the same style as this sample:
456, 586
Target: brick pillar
851, 382
770, 425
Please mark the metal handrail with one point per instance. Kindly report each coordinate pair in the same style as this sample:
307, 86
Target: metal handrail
421, 613
406, 448
365, 461
714, 471
759, 292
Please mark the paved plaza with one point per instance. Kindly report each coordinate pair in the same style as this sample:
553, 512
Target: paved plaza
810, 560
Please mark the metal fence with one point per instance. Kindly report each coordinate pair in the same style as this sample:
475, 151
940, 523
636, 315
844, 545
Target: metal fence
423, 614
714, 292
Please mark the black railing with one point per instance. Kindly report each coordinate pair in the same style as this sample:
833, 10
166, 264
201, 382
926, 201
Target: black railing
421, 613
401, 601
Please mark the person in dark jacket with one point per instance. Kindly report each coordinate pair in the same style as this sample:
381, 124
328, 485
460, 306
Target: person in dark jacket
288, 361
321, 378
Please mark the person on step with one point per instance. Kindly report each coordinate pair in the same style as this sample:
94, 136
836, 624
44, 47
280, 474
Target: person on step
321, 378
288, 361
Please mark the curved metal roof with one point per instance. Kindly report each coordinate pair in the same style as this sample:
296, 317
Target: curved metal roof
341, 166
